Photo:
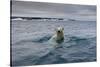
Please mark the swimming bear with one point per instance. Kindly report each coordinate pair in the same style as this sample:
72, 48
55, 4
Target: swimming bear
58, 37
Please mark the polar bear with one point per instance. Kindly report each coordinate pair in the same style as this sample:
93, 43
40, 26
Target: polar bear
58, 37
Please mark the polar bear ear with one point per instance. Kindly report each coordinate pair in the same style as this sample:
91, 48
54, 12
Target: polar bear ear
62, 28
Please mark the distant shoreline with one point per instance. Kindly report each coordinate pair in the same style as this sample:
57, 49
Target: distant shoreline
45, 18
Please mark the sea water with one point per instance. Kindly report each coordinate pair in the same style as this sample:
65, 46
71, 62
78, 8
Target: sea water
29, 42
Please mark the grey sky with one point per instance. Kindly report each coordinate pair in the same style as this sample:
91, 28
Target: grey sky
37, 9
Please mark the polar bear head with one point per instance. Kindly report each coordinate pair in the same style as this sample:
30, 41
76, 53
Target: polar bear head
59, 30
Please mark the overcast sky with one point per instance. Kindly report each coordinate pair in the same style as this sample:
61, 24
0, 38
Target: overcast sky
39, 9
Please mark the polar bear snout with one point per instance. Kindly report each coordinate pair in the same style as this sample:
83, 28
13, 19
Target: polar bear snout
59, 31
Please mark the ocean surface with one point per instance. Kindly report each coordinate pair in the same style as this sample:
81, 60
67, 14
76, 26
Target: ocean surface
30, 44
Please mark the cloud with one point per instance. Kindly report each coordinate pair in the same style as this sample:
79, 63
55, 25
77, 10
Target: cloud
38, 9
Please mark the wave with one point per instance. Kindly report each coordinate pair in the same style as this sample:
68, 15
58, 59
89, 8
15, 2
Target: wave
38, 51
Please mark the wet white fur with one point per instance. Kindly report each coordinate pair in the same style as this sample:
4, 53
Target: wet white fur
57, 36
